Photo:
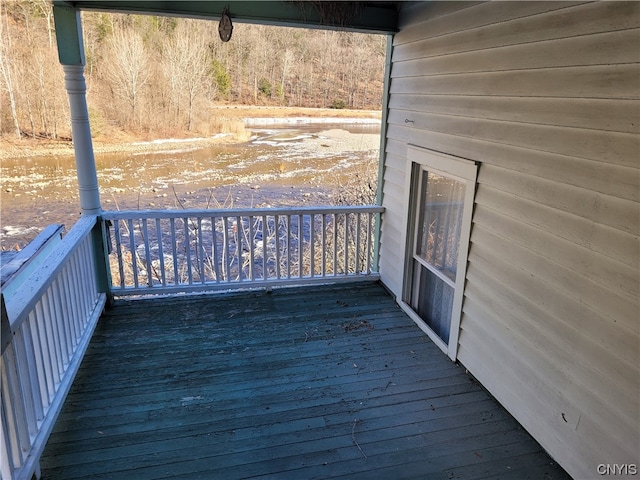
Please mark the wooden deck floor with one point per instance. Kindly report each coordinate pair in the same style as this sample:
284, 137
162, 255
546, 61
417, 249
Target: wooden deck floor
297, 384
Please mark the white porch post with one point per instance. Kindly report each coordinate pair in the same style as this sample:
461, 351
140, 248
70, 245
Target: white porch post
71, 54
82, 143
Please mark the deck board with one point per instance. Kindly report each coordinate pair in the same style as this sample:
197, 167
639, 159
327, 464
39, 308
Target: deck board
322, 382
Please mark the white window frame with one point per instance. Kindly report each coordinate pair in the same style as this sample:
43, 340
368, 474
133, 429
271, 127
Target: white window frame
419, 158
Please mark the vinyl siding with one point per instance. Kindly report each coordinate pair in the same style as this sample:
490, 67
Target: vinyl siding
544, 96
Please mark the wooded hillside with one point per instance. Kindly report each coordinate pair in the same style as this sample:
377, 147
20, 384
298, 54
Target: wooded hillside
158, 76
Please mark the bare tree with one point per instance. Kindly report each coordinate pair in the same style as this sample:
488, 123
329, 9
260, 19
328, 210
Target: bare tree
44, 8
127, 65
287, 60
185, 64
6, 69
130, 91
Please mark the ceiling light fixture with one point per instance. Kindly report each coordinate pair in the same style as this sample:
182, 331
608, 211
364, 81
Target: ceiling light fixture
225, 28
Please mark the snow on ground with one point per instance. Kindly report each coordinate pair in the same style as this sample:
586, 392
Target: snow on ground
250, 122
162, 141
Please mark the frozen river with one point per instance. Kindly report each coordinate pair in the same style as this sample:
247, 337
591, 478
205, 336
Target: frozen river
287, 165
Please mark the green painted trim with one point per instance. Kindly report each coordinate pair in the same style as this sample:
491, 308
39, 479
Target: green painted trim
383, 148
381, 18
385, 117
6, 335
101, 257
68, 34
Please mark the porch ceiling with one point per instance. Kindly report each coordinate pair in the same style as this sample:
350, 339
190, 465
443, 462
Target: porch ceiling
371, 17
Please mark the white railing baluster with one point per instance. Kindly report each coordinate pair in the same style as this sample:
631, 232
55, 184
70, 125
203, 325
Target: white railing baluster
231, 251
187, 246
7, 465
324, 246
133, 251
312, 242
252, 255
40, 374
228, 257
8, 418
214, 230
200, 251
346, 244
147, 253
174, 250
238, 239
226, 272
64, 313
45, 353
210, 253
117, 233
276, 222
163, 272
369, 238
89, 284
65, 293
357, 262
18, 412
265, 273
26, 371
300, 246
335, 244
76, 316
58, 320
72, 300
58, 316
53, 338
48, 356
82, 274
288, 247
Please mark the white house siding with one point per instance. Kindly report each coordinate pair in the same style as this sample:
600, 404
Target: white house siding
544, 95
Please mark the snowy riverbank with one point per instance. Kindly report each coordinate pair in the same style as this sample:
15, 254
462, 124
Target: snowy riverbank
262, 121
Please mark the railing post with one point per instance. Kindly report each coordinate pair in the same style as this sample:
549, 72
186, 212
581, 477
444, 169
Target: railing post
5, 333
102, 269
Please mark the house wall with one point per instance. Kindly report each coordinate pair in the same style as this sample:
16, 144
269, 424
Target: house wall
544, 95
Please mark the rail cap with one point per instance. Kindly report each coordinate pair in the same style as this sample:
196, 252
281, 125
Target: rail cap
241, 212
23, 257
22, 301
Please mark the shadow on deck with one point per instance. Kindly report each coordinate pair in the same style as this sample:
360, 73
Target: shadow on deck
302, 383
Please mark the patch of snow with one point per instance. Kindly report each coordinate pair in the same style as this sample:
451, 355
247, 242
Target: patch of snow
175, 151
161, 141
308, 120
12, 231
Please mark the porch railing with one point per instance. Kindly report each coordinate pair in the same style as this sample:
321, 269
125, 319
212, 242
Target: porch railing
190, 250
47, 323
46, 327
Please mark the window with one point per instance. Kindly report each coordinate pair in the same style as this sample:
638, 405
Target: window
441, 191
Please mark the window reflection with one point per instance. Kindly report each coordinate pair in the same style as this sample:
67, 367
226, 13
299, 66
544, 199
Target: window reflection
441, 207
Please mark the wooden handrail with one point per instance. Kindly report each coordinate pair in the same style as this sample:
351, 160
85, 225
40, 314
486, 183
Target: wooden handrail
233, 212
